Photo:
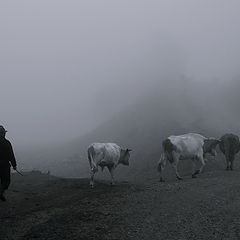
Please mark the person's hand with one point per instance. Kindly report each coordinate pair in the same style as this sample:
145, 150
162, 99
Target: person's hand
15, 168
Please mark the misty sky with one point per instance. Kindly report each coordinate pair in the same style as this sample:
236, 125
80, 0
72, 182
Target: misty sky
66, 66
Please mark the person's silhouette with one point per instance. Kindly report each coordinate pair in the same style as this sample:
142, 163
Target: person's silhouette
7, 159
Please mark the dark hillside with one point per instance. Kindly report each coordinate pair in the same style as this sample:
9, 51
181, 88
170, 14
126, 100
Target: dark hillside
62, 209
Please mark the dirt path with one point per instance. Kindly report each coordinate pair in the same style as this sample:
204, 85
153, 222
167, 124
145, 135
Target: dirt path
203, 208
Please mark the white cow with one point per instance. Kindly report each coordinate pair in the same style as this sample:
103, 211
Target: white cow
188, 146
106, 155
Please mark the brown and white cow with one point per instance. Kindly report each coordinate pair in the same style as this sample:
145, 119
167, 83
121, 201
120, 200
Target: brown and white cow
188, 146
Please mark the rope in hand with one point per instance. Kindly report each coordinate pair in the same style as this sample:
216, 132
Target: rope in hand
19, 172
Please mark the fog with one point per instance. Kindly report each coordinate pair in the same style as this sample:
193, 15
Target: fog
66, 67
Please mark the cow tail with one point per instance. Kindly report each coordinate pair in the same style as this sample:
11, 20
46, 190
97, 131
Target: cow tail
91, 161
167, 146
168, 149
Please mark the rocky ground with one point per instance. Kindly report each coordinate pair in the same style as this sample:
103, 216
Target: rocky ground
43, 207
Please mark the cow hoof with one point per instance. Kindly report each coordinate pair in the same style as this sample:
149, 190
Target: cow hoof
196, 172
194, 176
161, 180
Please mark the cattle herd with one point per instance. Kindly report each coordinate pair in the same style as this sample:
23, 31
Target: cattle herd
188, 146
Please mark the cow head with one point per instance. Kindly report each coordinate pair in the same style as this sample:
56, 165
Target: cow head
125, 156
210, 145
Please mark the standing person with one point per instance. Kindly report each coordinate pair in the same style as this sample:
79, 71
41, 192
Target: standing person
7, 159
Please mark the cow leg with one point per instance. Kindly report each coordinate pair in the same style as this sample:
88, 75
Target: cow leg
161, 174
203, 164
231, 162
194, 171
111, 170
92, 179
228, 166
201, 160
161, 166
174, 165
228, 161
231, 166
177, 174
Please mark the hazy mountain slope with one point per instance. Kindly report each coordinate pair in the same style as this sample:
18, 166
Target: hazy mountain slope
168, 109
174, 107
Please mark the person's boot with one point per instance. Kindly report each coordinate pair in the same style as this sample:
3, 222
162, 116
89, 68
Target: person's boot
2, 198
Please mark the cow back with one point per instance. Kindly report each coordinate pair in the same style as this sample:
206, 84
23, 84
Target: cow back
106, 154
188, 145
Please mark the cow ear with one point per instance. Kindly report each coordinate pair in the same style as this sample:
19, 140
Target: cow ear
129, 150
